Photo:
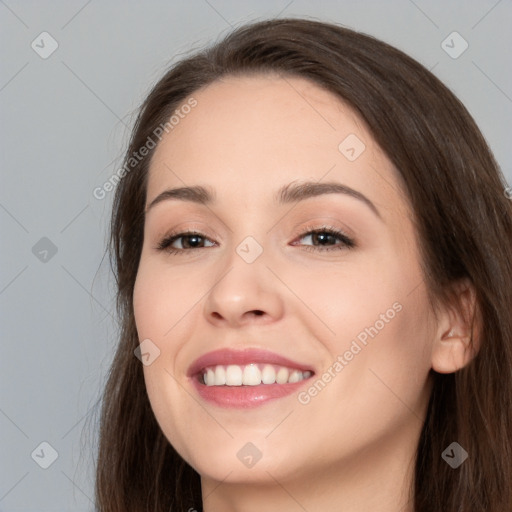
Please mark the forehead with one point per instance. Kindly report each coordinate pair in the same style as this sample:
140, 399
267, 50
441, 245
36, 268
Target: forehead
250, 134
264, 109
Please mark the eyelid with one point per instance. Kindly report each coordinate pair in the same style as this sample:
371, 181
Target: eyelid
199, 228
347, 240
174, 235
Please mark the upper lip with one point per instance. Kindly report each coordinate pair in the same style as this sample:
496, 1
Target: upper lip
227, 356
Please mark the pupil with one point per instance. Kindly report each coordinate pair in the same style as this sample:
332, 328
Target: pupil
193, 237
322, 237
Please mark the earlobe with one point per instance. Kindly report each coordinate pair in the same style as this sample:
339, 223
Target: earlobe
458, 335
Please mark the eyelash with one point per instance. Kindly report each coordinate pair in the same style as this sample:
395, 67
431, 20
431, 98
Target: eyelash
347, 242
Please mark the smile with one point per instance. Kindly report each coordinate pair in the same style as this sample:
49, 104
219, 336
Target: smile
252, 374
246, 378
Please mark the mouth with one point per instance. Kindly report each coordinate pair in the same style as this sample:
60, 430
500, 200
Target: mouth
247, 378
253, 374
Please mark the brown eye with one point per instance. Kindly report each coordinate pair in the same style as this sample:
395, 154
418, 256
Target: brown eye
189, 240
324, 239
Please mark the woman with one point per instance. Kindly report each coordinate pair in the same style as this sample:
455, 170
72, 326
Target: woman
312, 248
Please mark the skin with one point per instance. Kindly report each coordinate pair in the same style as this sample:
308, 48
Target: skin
352, 444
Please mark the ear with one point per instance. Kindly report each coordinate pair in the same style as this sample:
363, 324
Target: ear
457, 338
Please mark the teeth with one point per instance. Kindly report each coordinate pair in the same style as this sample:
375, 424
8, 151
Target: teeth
295, 376
210, 377
220, 376
251, 375
268, 375
282, 376
233, 375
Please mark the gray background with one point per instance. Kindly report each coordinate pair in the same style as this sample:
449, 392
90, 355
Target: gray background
65, 122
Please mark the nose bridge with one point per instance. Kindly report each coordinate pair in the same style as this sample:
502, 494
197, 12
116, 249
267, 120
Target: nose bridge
244, 287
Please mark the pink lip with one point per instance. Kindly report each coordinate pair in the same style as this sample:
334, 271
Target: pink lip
243, 396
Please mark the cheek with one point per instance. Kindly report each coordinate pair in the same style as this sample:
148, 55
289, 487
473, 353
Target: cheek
386, 363
155, 309
161, 298
372, 389
347, 302
380, 326
166, 398
147, 297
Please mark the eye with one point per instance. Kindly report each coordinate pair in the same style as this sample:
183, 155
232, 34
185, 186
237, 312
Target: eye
190, 240
323, 239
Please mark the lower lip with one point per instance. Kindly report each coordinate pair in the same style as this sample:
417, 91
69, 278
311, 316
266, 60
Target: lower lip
244, 397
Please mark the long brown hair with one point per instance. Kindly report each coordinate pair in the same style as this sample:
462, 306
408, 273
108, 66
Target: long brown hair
464, 224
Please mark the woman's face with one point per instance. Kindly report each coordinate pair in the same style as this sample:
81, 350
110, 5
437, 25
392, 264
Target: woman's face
340, 321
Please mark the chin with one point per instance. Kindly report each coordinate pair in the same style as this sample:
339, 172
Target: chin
241, 461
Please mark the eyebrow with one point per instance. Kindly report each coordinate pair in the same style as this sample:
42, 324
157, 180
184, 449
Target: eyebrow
287, 194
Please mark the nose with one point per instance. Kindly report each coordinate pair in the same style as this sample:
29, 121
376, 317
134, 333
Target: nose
244, 294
